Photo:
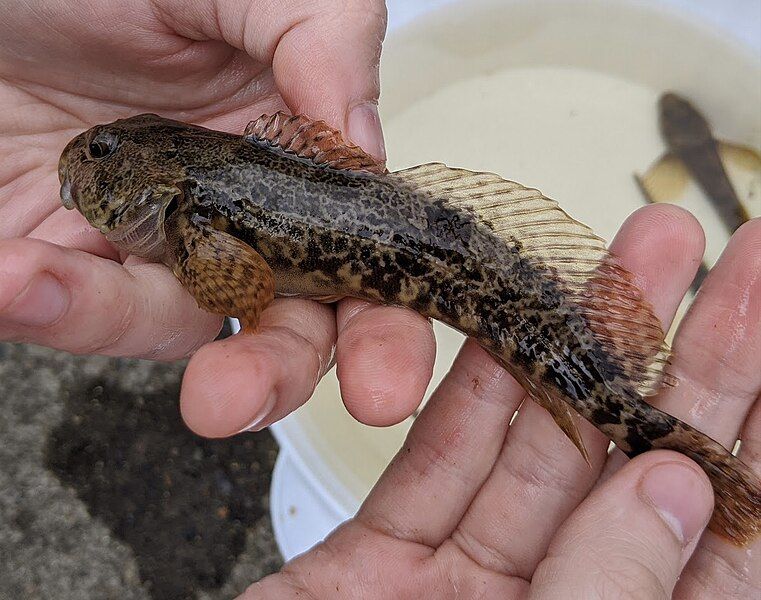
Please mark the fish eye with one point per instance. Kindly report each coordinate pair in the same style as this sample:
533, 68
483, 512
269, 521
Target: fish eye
101, 146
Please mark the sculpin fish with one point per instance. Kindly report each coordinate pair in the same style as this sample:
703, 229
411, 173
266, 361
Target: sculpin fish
690, 139
693, 150
290, 208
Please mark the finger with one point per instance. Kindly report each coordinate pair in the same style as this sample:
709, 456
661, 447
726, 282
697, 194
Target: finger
718, 344
540, 477
384, 359
632, 536
70, 229
448, 453
246, 382
29, 196
719, 569
81, 303
324, 55
662, 246
328, 66
720, 385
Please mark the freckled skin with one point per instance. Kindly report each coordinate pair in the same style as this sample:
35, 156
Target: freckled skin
325, 232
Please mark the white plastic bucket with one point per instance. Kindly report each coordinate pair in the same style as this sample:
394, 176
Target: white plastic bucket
328, 462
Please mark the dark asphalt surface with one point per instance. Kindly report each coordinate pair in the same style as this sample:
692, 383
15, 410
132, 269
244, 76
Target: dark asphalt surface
105, 494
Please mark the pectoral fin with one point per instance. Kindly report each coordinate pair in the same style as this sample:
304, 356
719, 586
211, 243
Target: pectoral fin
225, 275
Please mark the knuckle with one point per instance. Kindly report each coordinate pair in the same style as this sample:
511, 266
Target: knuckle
121, 316
426, 457
538, 467
484, 554
298, 342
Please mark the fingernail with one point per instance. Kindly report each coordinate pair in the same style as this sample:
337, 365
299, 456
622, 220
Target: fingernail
41, 303
364, 129
679, 495
261, 415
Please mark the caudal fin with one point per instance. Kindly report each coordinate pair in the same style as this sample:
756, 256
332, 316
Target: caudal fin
737, 488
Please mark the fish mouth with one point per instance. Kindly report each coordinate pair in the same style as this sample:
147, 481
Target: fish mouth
69, 198
68, 190
67, 195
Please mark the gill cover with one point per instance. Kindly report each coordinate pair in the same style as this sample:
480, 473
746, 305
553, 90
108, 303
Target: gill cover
141, 230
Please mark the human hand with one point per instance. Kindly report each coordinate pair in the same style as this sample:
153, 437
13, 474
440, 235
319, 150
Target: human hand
474, 508
65, 66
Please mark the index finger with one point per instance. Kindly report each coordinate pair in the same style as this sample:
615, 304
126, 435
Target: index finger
75, 301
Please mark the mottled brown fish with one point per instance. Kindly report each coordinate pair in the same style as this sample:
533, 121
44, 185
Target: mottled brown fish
290, 208
689, 138
692, 146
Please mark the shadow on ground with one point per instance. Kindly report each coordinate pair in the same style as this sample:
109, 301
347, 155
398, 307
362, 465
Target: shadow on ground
108, 495
181, 502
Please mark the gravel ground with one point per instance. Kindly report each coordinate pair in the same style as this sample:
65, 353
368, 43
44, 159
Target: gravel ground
105, 494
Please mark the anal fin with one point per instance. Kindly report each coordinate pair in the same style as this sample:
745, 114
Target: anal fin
564, 417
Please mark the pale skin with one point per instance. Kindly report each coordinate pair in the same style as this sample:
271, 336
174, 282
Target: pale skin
471, 507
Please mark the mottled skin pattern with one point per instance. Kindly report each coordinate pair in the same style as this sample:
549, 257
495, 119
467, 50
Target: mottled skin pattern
324, 232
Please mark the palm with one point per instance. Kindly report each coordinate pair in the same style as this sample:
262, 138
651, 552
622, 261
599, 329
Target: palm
42, 110
470, 508
218, 63
474, 506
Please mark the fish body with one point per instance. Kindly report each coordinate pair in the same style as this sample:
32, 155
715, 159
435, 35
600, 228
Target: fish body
689, 137
692, 150
289, 208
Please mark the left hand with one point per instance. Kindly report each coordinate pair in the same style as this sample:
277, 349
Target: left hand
474, 508
65, 66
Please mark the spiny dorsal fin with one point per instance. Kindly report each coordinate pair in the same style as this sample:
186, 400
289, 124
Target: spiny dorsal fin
616, 312
314, 140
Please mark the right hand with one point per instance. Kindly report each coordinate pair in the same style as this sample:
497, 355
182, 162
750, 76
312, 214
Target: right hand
65, 66
476, 506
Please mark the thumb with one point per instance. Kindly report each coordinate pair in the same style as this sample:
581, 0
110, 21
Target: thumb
327, 66
324, 55
632, 536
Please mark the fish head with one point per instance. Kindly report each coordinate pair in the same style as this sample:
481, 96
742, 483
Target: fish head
124, 177
680, 122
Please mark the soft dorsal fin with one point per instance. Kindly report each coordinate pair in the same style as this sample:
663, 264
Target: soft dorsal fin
617, 314
313, 140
